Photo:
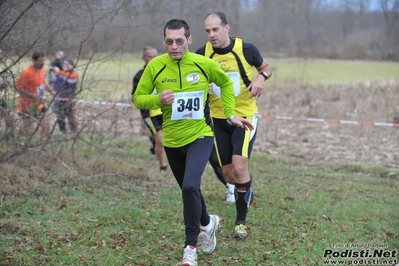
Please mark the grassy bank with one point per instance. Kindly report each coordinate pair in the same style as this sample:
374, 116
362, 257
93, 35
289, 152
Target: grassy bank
98, 199
111, 78
304, 72
119, 210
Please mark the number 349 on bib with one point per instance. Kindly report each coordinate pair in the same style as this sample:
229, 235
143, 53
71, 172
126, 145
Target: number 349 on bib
188, 105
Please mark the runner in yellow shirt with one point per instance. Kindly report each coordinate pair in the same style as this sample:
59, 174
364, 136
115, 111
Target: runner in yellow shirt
233, 144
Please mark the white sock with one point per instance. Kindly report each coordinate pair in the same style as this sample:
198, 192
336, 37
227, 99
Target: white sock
230, 187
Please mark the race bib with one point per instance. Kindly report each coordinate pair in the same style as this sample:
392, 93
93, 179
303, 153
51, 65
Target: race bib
188, 105
235, 77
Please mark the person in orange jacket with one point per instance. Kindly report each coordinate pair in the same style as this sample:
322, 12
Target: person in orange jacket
31, 85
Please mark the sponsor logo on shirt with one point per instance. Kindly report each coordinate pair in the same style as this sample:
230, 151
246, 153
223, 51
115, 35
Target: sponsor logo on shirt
193, 78
225, 67
189, 115
169, 80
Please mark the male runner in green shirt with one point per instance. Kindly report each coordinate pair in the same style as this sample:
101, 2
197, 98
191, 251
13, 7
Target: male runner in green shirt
181, 79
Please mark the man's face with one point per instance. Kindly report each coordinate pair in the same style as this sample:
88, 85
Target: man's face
149, 55
176, 43
39, 63
59, 55
218, 35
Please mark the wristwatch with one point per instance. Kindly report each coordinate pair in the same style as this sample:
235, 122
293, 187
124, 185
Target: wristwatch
230, 119
264, 74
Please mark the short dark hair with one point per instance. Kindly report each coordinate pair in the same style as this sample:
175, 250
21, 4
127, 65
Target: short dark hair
221, 15
177, 24
37, 54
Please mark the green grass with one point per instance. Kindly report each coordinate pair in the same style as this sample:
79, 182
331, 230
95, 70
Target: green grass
121, 211
111, 79
106, 204
304, 73
117, 74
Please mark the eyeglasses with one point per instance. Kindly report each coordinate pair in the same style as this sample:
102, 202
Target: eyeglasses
178, 41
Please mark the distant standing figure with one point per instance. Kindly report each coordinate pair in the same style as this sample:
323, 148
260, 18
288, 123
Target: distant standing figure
4, 110
31, 85
152, 118
57, 62
65, 87
1, 79
3, 100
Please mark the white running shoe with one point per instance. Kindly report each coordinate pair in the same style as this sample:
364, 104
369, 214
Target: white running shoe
209, 236
230, 194
189, 256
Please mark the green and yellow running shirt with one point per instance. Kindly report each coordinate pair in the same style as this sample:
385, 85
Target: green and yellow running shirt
185, 120
238, 61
